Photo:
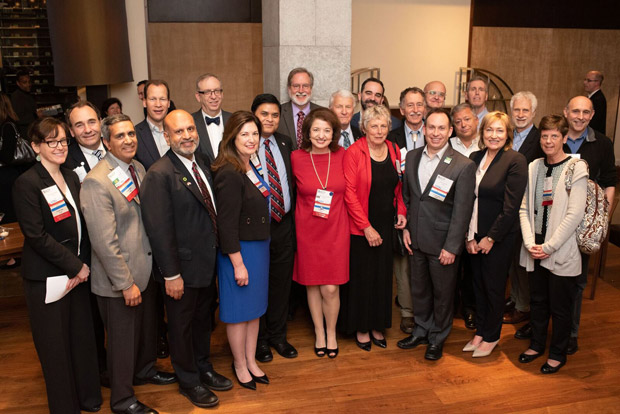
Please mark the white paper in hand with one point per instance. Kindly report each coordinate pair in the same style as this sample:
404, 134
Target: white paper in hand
56, 288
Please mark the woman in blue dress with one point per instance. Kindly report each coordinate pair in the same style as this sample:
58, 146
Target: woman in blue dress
241, 197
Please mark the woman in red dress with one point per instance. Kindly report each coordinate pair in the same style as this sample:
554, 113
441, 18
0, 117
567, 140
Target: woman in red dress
322, 224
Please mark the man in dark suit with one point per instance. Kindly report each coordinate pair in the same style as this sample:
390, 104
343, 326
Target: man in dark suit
87, 149
180, 222
526, 140
372, 93
299, 86
151, 142
210, 118
592, 85
408, 137
342, 103
438, 190
121, 266
272, 330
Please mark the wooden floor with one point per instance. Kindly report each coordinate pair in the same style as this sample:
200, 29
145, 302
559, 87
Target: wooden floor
384, 380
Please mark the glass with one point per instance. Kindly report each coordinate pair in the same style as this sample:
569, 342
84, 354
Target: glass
433, 93
305, 86
53, 144
214, 92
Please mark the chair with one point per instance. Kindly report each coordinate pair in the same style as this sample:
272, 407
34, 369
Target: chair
600, 257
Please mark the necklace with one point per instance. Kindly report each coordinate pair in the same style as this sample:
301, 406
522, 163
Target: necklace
329, 162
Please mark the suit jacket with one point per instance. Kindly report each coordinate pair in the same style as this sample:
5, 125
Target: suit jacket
205, 146
121, 249
599, 120
598, 151
286, 146
50, 248
147, 152
500, 193
287, 123
398, 136
530, 147
357, 134
75, 157
243, 211
435, 225
177, 221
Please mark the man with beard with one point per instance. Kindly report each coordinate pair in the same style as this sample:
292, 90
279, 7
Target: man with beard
342, 103
434, 95
408, 137
477, 95
299, 85
373, 93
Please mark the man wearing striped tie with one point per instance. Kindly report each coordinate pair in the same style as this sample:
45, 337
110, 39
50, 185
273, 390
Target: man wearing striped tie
274, 153
342, 103
87, 149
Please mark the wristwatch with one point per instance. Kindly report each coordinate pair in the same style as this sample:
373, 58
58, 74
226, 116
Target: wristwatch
490, 239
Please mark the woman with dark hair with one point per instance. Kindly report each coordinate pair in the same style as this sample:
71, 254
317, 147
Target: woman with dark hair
47, 202
375, 203
549, 216
322, 224
501, 177
112, 106
242, 198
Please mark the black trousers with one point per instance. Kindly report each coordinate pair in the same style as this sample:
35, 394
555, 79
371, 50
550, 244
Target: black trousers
551, 296
131, 345
490, 277
464, 298
582, 280
282, 258
65, 342
189, 333
432, 292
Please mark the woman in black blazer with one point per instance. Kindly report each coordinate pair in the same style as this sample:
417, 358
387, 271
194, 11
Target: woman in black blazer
501, 178
46, 199
241, 197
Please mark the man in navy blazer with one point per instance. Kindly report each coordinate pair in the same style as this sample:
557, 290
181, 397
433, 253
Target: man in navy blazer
151, 142
592, 85
86, 149
342, 103
210, 118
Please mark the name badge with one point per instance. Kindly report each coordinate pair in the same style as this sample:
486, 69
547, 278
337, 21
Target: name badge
576, 156
441, 188
257, 183
81, 172
322, 203
56, 202
403, 155
123, 183
548, 192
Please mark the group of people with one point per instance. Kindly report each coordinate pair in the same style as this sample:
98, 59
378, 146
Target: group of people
207, 205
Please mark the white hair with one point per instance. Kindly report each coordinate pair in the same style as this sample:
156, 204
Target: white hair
524, 95
343, 93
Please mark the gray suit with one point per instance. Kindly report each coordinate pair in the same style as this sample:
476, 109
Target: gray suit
205, 142
287, 123
121, 256
435, 225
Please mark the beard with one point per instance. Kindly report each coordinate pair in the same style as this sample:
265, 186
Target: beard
372, 102
301, 99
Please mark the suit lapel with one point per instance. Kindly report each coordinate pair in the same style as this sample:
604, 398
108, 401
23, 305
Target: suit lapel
415, 164
287, 115
285, 151
149, 142
185, 177
79, 157
440, 169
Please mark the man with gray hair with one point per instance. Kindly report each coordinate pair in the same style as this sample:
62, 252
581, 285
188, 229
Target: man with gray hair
342, 103
299, 85
465, 124
592, 85
477, 94
210, 118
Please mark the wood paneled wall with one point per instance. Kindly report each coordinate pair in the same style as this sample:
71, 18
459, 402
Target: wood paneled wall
551, 63
180, 52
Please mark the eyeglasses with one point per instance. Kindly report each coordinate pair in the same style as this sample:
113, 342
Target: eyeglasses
433, 93
301, 86
214, 92
53, 144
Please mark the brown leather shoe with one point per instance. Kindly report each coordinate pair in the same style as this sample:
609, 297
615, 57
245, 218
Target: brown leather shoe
407, 324
516, 316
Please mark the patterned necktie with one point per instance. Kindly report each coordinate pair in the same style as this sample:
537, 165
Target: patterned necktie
277, 197
99, 154
210, 120
346, 141
300, 122
134, 177
206, 197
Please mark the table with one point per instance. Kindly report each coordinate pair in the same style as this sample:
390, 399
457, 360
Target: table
12, 245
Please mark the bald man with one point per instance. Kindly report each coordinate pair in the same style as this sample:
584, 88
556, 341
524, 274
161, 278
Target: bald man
434, 95
592, 86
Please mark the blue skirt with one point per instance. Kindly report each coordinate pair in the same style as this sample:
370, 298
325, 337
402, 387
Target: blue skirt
244, 303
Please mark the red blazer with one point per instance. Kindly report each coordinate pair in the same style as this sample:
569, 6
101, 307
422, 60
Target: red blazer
358, 177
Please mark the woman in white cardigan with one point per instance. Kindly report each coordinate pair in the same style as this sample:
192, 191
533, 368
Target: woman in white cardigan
549, 216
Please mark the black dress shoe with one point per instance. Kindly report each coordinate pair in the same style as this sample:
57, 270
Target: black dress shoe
94, 409
411, 342
433, 352
162, 347
250, 385
200, 396
160, 378
470, 322
136, 408
524, 332
548, 369
526, 358
285, 349
261, 380
573, 346
381, 343
263, 353
364, 346
215, 381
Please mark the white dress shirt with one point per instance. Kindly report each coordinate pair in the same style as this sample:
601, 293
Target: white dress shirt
158, 136
215, 131
428, 165
458, 145
91, 158
473, 223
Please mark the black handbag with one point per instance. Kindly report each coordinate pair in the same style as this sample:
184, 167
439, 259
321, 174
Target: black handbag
24, 154
398, 244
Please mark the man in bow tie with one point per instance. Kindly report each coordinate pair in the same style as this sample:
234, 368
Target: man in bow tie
210, 118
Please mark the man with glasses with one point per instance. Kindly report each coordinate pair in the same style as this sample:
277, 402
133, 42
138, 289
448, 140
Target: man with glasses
299, 86
373, 93
477, 95
151, 142
592, 85
434, 95
210, 118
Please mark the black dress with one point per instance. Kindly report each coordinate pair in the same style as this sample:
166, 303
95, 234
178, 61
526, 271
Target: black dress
366, 301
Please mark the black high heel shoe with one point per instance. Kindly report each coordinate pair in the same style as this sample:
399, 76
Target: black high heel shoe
320, 352
250, 385
382, 343
332, 353
365, 346
261, 380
